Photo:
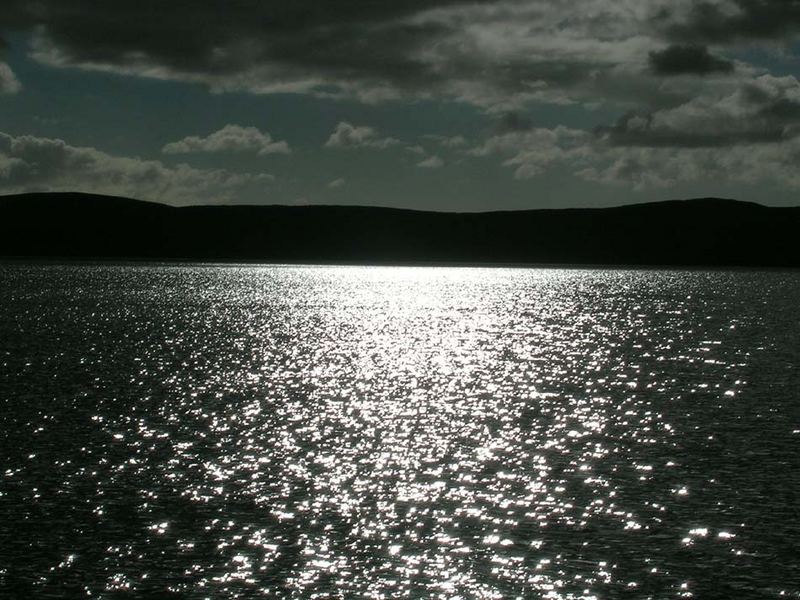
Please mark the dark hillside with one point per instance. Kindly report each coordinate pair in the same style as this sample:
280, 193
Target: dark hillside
711, 232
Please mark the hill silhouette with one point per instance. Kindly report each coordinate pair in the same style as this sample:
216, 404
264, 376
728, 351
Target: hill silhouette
701, 232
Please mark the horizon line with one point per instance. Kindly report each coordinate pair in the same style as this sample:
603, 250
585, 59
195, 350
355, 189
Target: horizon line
397, 208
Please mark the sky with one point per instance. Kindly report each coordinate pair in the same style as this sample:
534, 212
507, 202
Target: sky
435, 105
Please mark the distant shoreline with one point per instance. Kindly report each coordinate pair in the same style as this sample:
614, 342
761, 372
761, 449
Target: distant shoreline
175, 262
705, 233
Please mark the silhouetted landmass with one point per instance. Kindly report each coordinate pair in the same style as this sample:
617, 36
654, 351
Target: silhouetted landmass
712, 232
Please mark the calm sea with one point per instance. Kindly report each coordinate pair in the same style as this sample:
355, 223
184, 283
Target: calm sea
347, 432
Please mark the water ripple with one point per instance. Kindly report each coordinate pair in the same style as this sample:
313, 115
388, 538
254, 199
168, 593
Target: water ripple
332, 432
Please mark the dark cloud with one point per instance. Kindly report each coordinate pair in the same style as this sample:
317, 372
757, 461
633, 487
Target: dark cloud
713, 22
689, 59
473, 49
512, 121
340, 39
487, 52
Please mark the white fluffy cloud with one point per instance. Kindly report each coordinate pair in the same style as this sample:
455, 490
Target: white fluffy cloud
8, 81
534, 151
231, 138
432, 162
30, 163
337, 183
347, 135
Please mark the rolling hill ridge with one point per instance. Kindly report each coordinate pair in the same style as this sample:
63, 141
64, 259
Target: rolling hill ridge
700, 232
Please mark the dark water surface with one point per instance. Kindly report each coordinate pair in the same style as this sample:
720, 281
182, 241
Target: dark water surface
336, 432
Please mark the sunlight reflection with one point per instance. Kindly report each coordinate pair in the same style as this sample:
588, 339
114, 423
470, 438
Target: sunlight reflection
410, 432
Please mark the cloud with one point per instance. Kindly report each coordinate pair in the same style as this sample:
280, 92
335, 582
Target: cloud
766, 109
497, 54
512, 121
651, 168
690, 59
432, 162
533, 152
641, 58
456, 141
30, 163
347, 135
336, 183
731, 20
742, 157
370, 51
8, 81
231, 138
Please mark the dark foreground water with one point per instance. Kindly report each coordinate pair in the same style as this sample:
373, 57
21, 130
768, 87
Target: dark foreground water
323, 432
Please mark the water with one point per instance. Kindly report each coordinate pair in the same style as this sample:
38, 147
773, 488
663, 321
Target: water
333, 432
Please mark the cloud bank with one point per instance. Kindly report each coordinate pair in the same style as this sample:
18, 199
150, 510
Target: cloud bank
500, 55
30, 163
491, 53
